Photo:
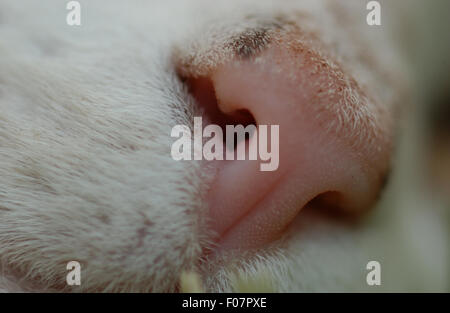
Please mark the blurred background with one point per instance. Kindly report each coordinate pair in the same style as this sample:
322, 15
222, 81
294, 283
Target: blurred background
421, 186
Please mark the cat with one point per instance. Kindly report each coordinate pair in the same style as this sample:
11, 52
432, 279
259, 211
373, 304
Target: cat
86, 173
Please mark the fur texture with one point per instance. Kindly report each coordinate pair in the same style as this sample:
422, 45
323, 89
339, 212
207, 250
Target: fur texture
85, 166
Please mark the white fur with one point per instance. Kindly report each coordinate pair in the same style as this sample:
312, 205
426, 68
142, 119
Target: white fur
85, 166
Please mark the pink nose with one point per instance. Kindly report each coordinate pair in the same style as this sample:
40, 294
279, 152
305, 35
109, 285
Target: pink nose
334, 142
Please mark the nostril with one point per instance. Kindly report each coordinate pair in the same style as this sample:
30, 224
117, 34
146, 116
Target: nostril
202, 89
328, 201
239, 117
333, 204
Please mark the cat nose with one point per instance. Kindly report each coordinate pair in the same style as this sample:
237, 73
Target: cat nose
333, 142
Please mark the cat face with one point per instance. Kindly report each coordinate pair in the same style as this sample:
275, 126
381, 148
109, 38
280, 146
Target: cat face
86, 168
